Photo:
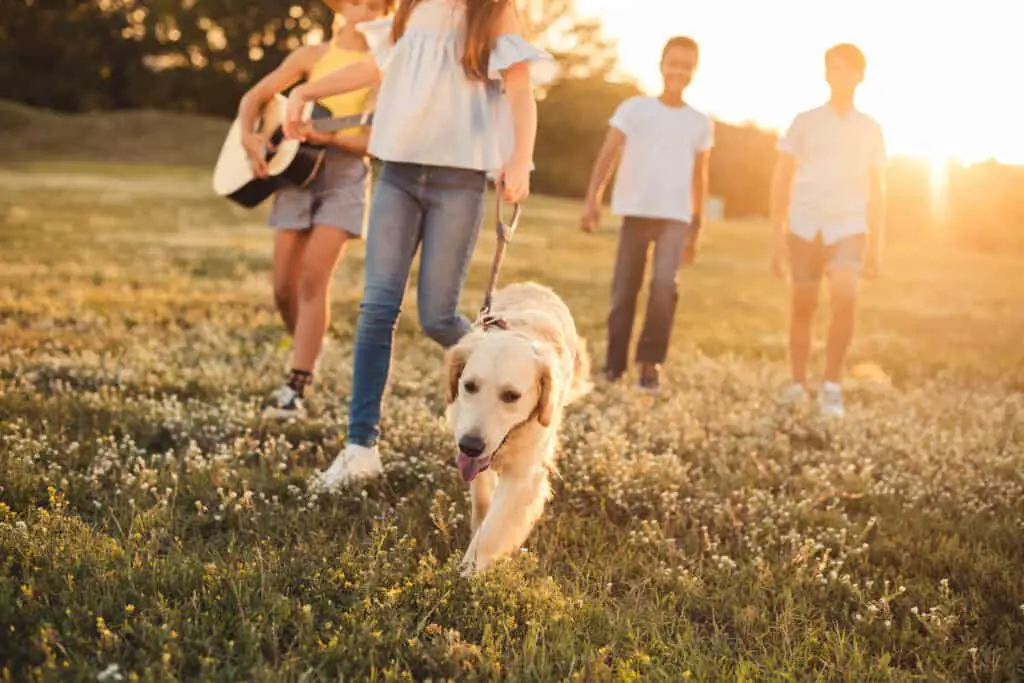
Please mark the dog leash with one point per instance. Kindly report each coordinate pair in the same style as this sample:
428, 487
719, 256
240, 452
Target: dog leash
505, 232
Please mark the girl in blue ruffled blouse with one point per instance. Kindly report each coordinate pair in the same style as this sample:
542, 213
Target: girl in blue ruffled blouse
455, 105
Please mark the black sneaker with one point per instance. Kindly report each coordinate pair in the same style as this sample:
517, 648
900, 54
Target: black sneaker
611, 376
650, 378
286, 404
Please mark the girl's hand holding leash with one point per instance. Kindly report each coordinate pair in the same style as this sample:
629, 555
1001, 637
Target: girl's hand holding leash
515, 181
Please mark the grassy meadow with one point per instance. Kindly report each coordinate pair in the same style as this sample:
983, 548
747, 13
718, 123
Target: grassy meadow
152, 528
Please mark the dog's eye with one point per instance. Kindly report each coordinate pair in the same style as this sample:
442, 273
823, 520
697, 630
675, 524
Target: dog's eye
510, 396
470, 387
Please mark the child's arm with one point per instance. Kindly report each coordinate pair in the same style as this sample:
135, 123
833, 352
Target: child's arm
701, 172
782, 185
353, 143
524, 120
699, 187
782, 177
293, 68
699, 201
876, 206
699, 194
354, 76
781, 193
523, 105
607, 159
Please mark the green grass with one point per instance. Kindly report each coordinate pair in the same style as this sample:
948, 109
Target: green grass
148, 520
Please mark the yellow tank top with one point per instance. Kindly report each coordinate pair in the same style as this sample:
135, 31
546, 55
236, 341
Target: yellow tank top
349, 103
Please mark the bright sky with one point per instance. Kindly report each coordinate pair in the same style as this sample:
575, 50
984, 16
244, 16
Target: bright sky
944, 78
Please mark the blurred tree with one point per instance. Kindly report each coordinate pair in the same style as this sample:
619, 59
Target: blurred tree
577, 42
197, 55
68, 54
200, 55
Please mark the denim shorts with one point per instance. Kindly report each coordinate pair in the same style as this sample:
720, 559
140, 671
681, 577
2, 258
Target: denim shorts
337, 197
809, 260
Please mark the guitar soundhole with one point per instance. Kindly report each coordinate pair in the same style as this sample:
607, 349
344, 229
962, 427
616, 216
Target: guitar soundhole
277, 137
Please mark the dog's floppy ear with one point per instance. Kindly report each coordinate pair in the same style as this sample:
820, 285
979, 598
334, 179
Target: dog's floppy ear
455, 362
545, 405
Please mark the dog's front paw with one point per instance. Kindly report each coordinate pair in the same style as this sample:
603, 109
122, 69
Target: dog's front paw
473, 564
468, 566
466, 569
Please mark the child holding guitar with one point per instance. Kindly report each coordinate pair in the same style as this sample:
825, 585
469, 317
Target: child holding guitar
314, 223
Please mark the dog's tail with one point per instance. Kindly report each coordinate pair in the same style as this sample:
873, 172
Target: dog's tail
581, 383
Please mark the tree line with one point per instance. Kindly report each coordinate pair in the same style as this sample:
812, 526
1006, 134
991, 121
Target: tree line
199, 56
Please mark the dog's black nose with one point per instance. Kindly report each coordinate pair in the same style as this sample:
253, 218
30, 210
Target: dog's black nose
472, 445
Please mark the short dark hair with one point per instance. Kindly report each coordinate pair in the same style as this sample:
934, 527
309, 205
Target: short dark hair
849, 53
680, 41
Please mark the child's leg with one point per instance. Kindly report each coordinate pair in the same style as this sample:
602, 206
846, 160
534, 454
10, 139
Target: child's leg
806, 265
451, 225
844, 285
338, 213
669, 244
288, 249
630, 262
291, 215
324, 248
393, 236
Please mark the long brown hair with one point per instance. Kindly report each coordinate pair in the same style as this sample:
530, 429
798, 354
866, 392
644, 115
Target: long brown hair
481, 26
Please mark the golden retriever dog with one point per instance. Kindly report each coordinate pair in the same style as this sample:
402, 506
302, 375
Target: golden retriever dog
509, 380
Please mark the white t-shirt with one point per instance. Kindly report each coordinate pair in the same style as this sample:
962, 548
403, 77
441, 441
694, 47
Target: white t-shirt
655, 177
834, 154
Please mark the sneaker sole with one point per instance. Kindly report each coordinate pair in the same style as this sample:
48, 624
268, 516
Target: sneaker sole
369, 468
281, 414
318, 485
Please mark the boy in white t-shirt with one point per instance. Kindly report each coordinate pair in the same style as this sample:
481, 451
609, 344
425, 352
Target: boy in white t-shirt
660, 191
828, 207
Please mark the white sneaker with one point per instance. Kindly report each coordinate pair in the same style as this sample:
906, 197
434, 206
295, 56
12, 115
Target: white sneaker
285, 404
352, 464
794, 395
830, 400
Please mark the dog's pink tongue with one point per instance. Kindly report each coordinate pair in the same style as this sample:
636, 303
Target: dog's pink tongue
469, 467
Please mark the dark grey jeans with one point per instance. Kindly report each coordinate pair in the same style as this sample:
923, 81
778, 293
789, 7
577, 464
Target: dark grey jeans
635, 238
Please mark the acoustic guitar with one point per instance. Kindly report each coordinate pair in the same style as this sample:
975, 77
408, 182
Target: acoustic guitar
289, 162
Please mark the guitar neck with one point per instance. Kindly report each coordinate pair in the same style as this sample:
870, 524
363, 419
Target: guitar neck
341, 123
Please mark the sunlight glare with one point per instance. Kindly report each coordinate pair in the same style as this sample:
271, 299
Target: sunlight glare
763, 63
